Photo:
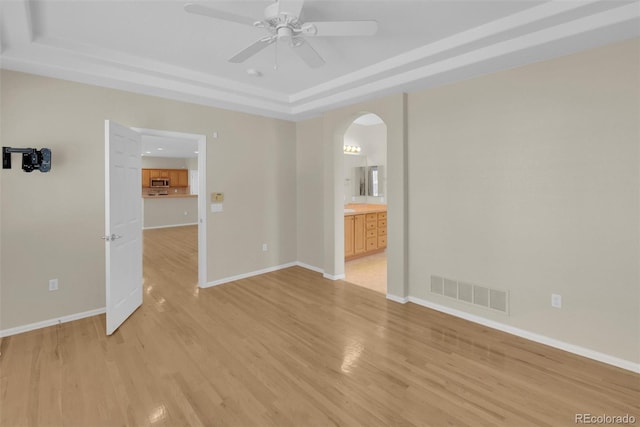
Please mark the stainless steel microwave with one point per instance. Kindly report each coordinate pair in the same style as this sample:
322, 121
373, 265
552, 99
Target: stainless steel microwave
159, 182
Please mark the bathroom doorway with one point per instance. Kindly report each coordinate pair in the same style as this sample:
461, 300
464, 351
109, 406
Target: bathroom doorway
365, 208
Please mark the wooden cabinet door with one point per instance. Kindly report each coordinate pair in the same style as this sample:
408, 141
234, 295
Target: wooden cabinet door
154, 173
183, 178
348, 236
173, 178
359, 234
146, 178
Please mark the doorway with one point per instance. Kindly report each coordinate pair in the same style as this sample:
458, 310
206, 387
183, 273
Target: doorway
200, 142
123, 218
364, 174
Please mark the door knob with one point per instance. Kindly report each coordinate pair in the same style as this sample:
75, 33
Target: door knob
111, 238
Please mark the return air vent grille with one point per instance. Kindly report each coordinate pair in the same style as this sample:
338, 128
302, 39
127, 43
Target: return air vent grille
493, 299
450, 288
465, 292
437, 285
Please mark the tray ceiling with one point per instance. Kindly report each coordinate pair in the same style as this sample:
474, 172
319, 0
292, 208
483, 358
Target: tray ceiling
156, 48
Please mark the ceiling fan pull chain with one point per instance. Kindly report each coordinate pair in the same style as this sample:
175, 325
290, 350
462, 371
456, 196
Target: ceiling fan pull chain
275, 64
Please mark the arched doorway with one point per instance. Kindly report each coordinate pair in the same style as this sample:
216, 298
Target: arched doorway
333, 126
365, 191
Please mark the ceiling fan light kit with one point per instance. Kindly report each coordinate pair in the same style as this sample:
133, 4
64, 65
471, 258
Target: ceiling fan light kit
281, 20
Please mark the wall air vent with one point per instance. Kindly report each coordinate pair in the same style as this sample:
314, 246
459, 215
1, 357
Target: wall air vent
450, 288
481, 296
465, 292
436, 285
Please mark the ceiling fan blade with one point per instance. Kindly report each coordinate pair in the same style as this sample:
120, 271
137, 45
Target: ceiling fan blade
290, 7
248, 52
340, 28
307, 53
199, 9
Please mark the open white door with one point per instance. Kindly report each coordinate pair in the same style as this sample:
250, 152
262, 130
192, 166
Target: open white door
123, 230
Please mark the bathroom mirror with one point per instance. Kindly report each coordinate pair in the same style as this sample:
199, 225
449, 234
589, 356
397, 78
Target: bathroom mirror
360, 181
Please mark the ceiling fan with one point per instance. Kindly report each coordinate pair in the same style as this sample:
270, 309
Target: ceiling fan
282, 22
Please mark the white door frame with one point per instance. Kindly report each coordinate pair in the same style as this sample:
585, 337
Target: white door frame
202, 192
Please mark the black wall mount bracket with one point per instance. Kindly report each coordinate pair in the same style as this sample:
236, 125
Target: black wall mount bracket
31, 158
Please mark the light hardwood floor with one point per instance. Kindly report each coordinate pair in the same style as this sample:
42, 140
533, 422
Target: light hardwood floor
290, 348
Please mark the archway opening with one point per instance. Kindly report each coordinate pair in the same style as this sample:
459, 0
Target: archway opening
365, 189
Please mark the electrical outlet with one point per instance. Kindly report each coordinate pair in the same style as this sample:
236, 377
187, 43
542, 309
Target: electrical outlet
265, 248
556, 300
186, 213
53, 284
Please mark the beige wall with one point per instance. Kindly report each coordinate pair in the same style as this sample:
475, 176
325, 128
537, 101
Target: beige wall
160, 211
310, 188
528, 180
51, 223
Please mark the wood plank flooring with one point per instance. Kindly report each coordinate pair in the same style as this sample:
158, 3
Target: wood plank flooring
290, 348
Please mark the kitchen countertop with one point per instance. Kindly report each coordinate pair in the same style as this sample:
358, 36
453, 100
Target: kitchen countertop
363, 208
169, 196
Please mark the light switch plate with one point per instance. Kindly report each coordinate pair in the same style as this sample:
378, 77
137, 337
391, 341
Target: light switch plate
216, 207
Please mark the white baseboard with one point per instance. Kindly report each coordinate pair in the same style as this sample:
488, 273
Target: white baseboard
321, 271
50, 322
310, 267
395, 298
542, 339
169, 226
250, 274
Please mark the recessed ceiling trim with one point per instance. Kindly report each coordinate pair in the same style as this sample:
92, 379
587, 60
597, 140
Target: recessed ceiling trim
621, 14
67, 59
93, 54
152, 87
524, 17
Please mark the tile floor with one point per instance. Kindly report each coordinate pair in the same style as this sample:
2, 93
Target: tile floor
369, 272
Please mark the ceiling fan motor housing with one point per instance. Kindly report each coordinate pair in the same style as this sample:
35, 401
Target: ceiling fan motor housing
284, 33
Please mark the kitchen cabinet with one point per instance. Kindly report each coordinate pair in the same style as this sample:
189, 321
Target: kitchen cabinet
364, 234
183, 177
177, 177
146, 178
173, 178
158, 173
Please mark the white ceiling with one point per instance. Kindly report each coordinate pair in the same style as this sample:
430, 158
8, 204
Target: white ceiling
156, 48
159, 146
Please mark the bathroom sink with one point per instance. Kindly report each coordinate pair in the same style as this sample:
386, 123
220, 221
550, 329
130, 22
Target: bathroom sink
349, 210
